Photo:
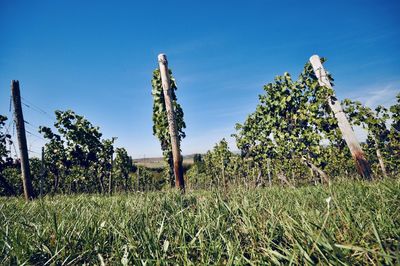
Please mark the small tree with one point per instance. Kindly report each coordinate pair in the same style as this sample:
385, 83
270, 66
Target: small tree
216, 163
123, 165
290, 122
55, 157
79, 152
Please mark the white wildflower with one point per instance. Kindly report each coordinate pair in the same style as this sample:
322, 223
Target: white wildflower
328, 201
124, 260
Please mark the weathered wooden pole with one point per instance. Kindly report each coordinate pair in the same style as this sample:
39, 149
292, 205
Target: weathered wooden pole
324, 177
42, 172
223, 174
176, 152
269, 171
379, 156
362, 165
380, 159
21, 135
138, 178
110, 181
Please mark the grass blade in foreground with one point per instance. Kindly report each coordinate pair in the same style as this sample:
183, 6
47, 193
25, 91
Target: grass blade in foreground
359, 225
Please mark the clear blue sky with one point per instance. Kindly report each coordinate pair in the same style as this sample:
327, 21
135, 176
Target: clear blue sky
97, 58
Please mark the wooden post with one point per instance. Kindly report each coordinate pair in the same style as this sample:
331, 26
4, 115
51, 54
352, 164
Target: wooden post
259, 177
138, 178
42, 172
223, 174
362, 165
314, 168
176, 152
380, 158
110, 186
269, 172
283, 179
23, 149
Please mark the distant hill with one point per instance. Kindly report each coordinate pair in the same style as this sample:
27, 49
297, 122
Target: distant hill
158, 162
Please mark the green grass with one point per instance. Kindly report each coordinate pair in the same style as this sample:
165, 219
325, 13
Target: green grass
360, 225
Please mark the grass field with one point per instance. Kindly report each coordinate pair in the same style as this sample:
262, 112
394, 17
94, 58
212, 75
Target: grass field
347, 223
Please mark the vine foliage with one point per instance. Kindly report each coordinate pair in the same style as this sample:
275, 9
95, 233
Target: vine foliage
160, 119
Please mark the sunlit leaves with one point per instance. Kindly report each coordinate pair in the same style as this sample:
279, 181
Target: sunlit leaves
291, 121
160, 120
77, 155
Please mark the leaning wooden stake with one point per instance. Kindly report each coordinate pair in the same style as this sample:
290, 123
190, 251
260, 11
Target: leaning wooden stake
176, 152
314, 168
23, 148
362, 165
380, 158
381, 162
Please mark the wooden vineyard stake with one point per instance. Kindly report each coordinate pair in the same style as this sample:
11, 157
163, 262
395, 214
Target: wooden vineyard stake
21, 135
42, 173
362, 165
110, 181
176, 152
